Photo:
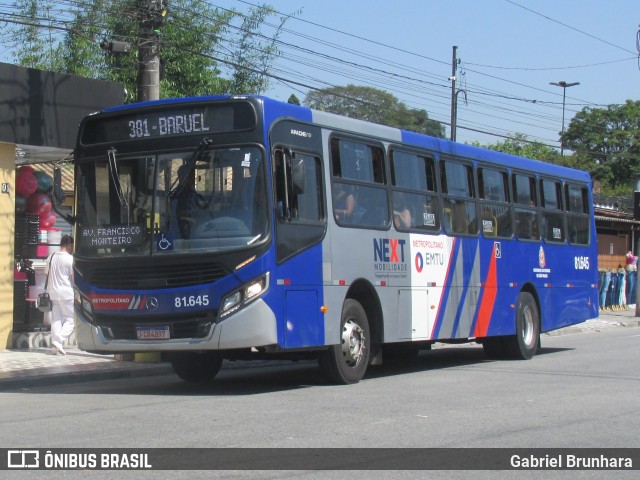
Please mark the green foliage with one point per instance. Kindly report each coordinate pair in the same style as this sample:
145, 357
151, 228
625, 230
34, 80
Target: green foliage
373, 105
293, 100
78, 53
618, 191
606, 142
254, 53
31, 44
190, 40
521, 146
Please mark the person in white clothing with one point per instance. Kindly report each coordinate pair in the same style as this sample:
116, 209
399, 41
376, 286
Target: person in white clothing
60, 288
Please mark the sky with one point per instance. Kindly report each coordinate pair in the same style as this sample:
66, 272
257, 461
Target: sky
509, 52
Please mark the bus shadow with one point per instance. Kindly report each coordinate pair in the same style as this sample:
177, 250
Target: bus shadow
240, 379
547, 350
428, 360
442, 358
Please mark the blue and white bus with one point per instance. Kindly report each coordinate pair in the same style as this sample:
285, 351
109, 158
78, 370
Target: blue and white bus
224, 227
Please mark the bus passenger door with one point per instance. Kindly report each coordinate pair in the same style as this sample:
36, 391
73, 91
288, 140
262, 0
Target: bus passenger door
300, 227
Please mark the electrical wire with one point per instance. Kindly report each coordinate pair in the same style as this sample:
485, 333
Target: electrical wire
420, 91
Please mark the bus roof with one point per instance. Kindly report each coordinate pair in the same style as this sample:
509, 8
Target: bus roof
381, 132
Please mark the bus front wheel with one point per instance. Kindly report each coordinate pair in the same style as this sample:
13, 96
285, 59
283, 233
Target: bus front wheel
524, 344
347, 362
196, 367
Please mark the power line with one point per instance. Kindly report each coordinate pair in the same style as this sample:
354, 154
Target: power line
222, 61
412, 86
570, 27
540, 69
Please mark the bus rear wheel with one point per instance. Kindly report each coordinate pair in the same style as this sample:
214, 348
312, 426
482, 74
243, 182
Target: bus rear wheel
524, 344
347, 362
196, 367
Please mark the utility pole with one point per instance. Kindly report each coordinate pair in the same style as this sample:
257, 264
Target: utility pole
454, 65
152, 14
564, 85
636, 216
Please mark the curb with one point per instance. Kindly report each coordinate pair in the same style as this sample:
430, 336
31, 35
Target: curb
585, 328
65, 378
111, 372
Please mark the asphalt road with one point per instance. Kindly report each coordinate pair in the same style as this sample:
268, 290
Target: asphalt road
582, 390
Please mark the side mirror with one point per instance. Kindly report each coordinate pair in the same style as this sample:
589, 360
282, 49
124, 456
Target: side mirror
58, 192
58, 196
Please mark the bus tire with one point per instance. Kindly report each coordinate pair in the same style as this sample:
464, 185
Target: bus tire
196, 367
524, 344
347, 362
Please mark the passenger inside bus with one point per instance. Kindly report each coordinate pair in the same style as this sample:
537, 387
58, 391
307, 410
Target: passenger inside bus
402, 217
344, 203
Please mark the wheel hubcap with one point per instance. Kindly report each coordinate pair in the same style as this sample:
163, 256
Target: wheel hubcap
353, 343
527, 326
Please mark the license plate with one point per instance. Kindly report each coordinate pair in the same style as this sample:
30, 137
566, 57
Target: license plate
152, 333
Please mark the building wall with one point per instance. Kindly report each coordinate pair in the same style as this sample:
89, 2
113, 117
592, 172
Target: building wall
41, 108
7, 229
40, 112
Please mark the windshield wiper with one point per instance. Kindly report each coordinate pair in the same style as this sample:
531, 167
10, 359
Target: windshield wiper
184, 170
115, 177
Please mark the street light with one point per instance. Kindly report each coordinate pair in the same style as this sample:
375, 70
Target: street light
564, 86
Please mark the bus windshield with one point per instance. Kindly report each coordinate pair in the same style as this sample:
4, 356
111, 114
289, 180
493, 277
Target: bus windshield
211, 199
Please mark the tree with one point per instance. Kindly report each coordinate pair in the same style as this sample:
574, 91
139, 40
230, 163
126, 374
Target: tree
28, 42
190, 41
254, 53
293, 100
521, 146
606, 142
373, 105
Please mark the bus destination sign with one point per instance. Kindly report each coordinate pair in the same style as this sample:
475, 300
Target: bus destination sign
171, 121
108, 236
161, 126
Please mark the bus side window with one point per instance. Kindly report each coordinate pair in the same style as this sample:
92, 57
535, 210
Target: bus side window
298, 193
577, 201
413, 198
552, 212
459, 206
359, 186
495, 210
526, 214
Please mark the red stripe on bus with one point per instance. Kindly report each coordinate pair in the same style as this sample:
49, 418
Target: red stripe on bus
488, 298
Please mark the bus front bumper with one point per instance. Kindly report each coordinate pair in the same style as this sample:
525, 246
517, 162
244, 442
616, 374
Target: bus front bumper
253, 326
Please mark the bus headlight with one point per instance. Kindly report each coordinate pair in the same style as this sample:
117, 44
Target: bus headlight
232, 301
83, 304
244, 295
86, 305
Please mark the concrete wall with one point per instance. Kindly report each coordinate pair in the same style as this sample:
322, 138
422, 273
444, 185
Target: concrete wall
42, 108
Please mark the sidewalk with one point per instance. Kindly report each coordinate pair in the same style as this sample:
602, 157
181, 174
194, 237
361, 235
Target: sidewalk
38, 366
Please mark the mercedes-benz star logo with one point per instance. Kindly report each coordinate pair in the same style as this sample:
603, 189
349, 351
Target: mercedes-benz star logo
152, 303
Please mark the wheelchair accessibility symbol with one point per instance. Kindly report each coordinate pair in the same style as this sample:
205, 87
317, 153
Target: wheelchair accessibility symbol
163, 243
497, 249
